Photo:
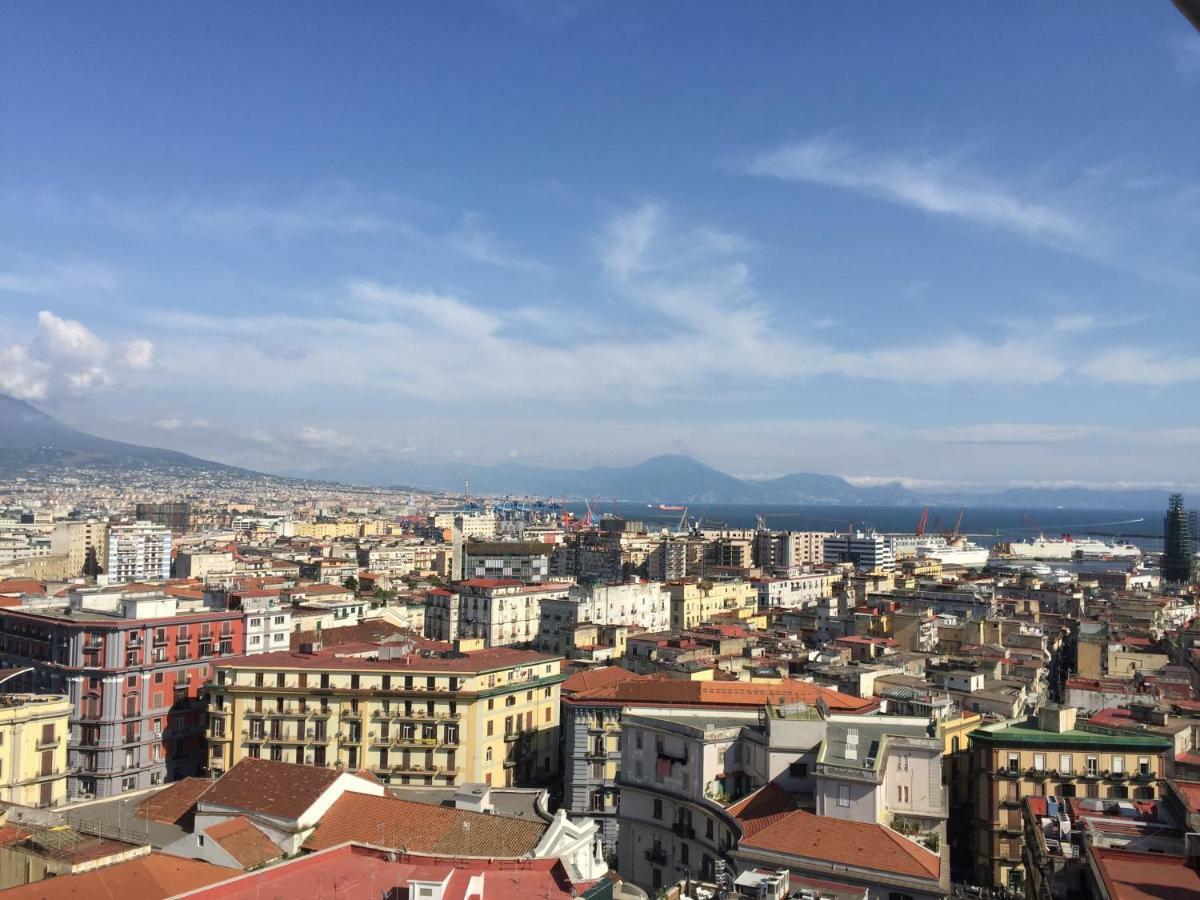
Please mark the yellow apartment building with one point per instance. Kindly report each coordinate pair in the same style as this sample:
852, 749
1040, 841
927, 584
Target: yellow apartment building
33, 748
696, 602
441, 719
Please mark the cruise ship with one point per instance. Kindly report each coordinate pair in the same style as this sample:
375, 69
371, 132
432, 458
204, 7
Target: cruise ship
956, 552
1067, 547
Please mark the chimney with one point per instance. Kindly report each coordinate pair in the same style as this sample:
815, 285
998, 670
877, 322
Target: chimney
1056, 719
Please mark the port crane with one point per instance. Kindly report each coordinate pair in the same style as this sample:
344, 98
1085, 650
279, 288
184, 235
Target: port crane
922, 522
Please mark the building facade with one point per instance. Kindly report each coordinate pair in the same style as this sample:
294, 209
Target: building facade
696, 602
487, 716
33, 748
132, 663
645, 605
1050, 757
138, 551
867, 550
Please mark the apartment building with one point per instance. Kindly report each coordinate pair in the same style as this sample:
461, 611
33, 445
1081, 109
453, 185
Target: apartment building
645, 605
138, 551
886, 770
480, 526
795, 591
412, 718
204, 564
694, 602
593, 716
132, 660
867, 550
501, 612
74, 539
268, 622
1050, 757
33, 748
780, 550
520, 560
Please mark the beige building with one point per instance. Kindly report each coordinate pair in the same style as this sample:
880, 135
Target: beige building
1050, 757
486, 716
73, 539
695, 602
33, 748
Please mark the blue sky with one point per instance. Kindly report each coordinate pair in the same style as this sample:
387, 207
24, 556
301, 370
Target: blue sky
950, 243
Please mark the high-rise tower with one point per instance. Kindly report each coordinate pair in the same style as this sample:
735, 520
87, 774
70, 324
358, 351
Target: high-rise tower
1177, 544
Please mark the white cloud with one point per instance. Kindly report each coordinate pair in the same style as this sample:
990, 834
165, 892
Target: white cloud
1140, 366
929, 184
445, 313
323, 438
171, 423
626, 239
21, 376
473, 239
64, 354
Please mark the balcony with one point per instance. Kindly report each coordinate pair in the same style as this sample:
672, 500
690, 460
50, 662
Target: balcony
1010, 801
1008, 773
1144, 776
419, 742
657, 855
48, 743
1117, 776
352, 715
213, 736
683, 830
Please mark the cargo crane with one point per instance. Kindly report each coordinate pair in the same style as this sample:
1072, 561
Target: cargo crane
922, 522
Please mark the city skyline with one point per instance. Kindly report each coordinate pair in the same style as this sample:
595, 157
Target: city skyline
951, 251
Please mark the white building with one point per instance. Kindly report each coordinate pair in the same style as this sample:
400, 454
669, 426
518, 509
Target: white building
522, 560
502, 612
138, 551
74, 539
796, 591
868, 550
646, 605
268, 624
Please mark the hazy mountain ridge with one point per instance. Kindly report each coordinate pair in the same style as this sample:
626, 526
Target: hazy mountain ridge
31, 440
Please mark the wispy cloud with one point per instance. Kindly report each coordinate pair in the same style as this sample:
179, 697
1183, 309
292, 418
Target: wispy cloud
927, 183
1141, 366
59, 279
473, 239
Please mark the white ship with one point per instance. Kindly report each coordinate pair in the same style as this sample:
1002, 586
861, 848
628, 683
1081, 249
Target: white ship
956, 552
1067, 547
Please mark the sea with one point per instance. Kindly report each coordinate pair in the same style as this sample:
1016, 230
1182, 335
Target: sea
985, 526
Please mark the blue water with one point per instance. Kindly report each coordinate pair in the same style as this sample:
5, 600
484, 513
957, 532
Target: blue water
985, 526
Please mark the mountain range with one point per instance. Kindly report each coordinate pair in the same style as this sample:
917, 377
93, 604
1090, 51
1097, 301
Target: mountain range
32, 441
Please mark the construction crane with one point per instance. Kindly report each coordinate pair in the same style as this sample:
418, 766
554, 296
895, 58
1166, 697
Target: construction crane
952, 535
921, 522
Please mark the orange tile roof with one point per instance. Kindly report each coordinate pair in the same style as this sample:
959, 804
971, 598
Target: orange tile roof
587, 679
245, 843
721, 693
175, 801
424, 828
21, 586
152, 877
763, 808
1146, 876
863, 845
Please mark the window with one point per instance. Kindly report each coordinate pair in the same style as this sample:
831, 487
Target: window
1014, 762
637, 739
1143, 765
798, 770
1064, 764
1118, 765
1093, 765
1039, 762
487, 755
658, 808
491, 723
843, 795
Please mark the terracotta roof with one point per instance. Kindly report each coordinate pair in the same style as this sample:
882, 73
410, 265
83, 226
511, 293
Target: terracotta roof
21, 586
280, 789
588, 679
722, 693
424, 828
1146, 876
174, 802
1189, 791
152, 877
245, 843
863, 845
371, 631
763, 808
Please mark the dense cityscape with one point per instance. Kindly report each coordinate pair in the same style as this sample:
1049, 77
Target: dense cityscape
305, 681
579, 450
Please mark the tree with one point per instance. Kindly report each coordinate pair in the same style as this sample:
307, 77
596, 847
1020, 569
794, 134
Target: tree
91, 565
351, 583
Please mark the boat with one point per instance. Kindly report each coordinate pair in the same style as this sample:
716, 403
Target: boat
956, 552
1068, 547
665, 507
